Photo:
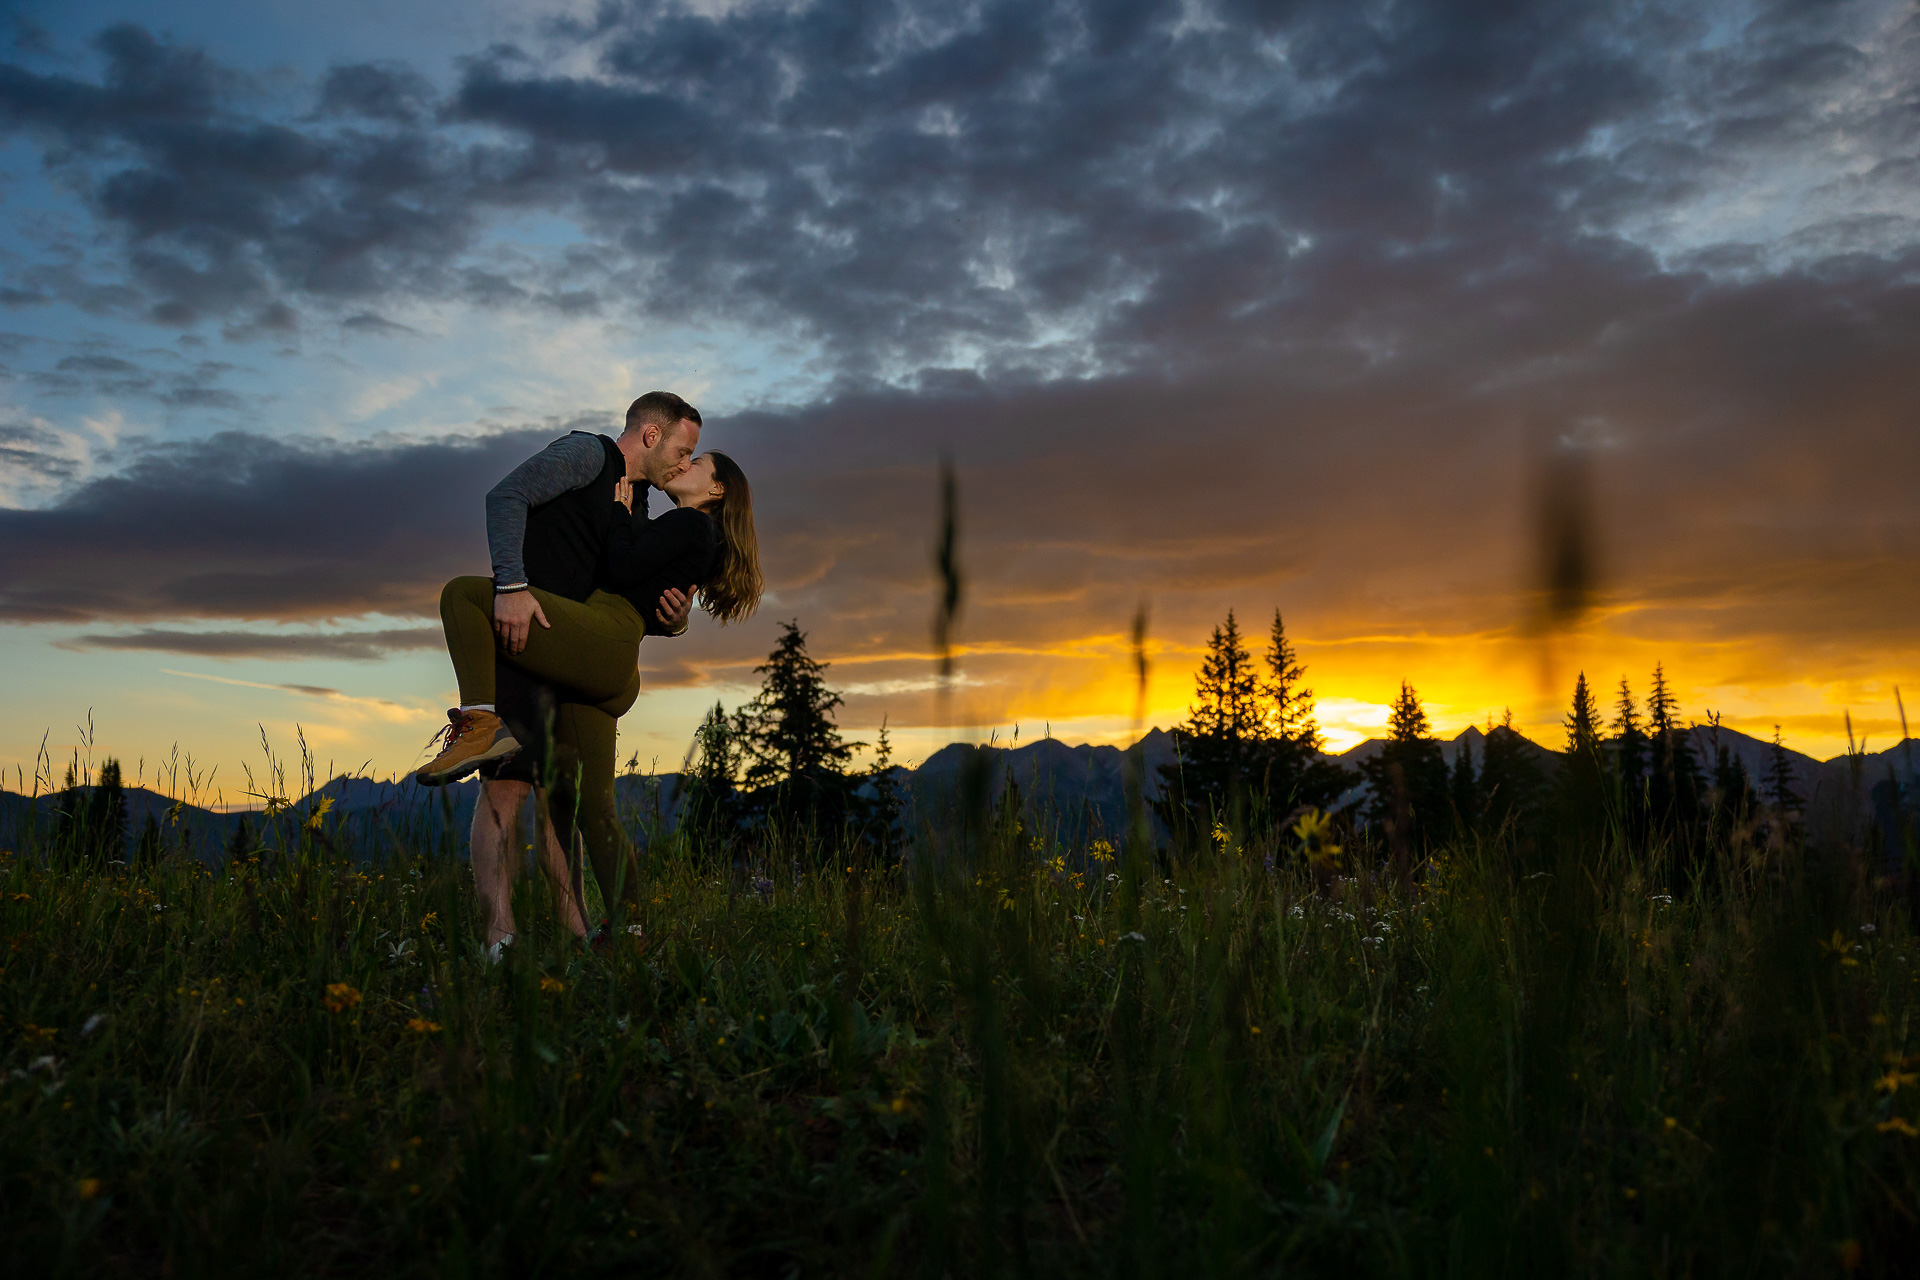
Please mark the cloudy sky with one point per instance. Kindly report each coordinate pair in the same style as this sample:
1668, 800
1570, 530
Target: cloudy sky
1215, 304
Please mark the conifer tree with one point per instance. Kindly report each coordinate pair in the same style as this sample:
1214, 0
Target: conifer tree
1733, 790
1674, 782
1582, 773
1410, 801
70, 816
887, 804
107, 815
1781, 793
240, 844
787, 735
712, 791
1219, 748
1295, 775
150, 847
1629, 779
1509, 776
1464, 787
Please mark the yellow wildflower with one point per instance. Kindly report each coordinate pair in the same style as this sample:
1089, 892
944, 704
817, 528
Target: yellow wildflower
552, 984
422, 1025
341, 997
320, 811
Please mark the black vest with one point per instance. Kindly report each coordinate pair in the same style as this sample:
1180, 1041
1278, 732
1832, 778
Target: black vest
567, 538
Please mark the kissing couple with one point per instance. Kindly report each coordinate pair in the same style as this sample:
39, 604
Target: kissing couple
547, 650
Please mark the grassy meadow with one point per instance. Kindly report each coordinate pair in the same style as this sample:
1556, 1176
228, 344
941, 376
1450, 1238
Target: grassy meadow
994, 1057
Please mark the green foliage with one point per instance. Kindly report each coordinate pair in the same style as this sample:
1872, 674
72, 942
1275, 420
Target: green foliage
989, 1060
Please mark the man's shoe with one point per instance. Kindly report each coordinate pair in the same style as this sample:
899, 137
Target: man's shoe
473, 739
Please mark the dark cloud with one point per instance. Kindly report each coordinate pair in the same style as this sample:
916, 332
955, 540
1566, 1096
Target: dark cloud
163, 378
349, 646
376, 91
242, 526
1033, 188
1221, 304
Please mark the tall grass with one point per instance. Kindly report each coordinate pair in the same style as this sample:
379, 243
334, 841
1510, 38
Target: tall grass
1001, 1056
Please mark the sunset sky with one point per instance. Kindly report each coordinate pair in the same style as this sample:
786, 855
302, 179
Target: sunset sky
1215, 304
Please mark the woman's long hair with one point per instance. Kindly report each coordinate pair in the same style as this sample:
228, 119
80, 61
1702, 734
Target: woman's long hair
732, 590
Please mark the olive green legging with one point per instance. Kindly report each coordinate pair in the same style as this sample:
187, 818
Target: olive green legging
582, 795
590, 646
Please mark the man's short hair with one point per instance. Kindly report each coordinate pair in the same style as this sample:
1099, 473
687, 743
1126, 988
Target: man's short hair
661, 408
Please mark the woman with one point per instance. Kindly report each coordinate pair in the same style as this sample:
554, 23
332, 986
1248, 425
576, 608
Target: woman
590, 648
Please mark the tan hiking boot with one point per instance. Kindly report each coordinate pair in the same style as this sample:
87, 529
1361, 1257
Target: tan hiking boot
473, 738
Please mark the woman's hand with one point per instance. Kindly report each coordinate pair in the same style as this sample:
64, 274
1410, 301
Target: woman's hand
623, 493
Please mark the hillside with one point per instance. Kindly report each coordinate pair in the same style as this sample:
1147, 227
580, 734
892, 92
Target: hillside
1081, 790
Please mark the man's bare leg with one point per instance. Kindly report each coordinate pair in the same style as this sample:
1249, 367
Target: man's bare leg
495, 844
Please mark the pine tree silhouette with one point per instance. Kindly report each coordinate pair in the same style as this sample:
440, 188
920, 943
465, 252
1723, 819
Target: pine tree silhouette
1463, 787
1509, 777
1294, 773
712, 790
1410, 804
1582, 790
790, 743
148, 852
240, 844
1781, 793
1674, 783
887, 803
1630, 763
1219, 750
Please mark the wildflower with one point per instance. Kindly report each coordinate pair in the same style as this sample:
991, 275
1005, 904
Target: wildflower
1314, 831
1891, 1082
1898, 1125
1100, 851
552, 984
88, 1188
393, 1165
636, 930
1838, 947
1135, 936
1849, 1250
91, 1025
1867, 928
341, 997
422, 1025
320, 811
23, 897
426, 921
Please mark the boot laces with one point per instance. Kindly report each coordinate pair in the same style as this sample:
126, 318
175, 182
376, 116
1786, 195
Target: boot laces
450, 732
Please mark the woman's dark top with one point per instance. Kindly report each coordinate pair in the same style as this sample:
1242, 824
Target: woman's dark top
677, 548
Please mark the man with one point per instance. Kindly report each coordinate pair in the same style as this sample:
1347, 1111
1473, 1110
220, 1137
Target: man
547, 526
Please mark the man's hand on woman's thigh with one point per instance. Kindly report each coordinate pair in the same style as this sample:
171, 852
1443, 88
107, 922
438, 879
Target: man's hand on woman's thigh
513, 615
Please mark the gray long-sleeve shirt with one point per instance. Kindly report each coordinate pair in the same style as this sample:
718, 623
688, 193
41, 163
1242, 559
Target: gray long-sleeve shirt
570, 462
